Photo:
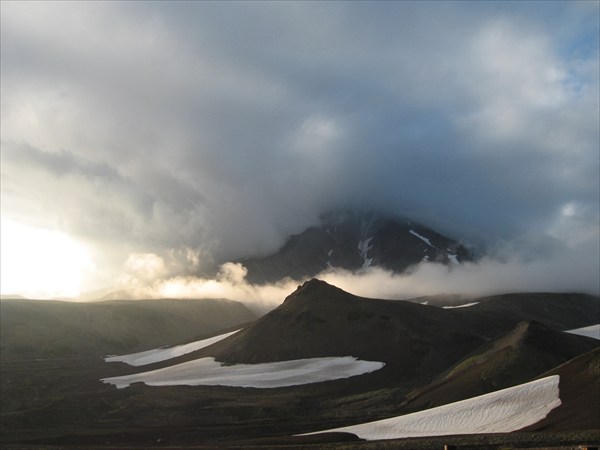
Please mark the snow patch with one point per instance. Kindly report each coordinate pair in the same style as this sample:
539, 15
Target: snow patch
162, 354
366, 264
207, 371
592, 331
497, 412
363, 248
464, 305
453, 259
423, 238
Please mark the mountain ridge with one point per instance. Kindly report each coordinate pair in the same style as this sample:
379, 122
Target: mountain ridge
355, 241
54, 328
414, 340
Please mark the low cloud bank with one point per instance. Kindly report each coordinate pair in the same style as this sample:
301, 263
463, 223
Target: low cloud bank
230, 282
573, 269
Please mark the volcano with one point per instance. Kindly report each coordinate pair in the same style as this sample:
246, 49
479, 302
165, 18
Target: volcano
355, 241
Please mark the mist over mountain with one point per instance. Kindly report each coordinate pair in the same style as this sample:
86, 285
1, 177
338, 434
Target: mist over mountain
370, 253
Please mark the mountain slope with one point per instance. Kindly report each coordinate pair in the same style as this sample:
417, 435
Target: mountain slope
520, 355
579, 393
354, 241
43, 328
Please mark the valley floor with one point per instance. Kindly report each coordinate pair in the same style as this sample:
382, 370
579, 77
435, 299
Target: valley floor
57, 402
514, 441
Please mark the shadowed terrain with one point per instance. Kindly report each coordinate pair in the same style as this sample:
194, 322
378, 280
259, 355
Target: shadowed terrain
49, 329
433, 356
516, 357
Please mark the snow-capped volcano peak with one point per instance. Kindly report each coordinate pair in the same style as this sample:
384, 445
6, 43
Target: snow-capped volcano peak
355, 241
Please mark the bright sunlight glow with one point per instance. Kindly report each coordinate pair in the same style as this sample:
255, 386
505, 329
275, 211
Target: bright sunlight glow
40, 263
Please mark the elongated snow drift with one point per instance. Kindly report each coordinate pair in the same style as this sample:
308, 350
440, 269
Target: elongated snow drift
497, 412
206, 371
162, 354
592, 331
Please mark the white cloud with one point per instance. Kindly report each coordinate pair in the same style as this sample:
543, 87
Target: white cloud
146, 266
155, 128
228, 283
560, 269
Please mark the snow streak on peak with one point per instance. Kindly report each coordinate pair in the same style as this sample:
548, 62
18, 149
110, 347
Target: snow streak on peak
363, 247
453, 259
423, 238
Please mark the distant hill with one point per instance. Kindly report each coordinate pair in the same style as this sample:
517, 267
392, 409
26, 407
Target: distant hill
12, 297
355, 241
48, 328
560, 311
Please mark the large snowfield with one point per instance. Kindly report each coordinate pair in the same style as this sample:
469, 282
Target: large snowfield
497, 412
162, 354
207, 371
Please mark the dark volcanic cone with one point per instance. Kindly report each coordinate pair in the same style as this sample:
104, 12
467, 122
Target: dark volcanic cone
320, 320
414, 340
417, 342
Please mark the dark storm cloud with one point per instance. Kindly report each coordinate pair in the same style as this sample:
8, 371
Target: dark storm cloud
228, 126
59, 163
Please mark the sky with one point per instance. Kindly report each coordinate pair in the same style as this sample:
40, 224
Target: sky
149, 141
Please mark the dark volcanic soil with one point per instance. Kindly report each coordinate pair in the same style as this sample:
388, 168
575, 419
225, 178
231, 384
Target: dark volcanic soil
60, 401
514, 441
